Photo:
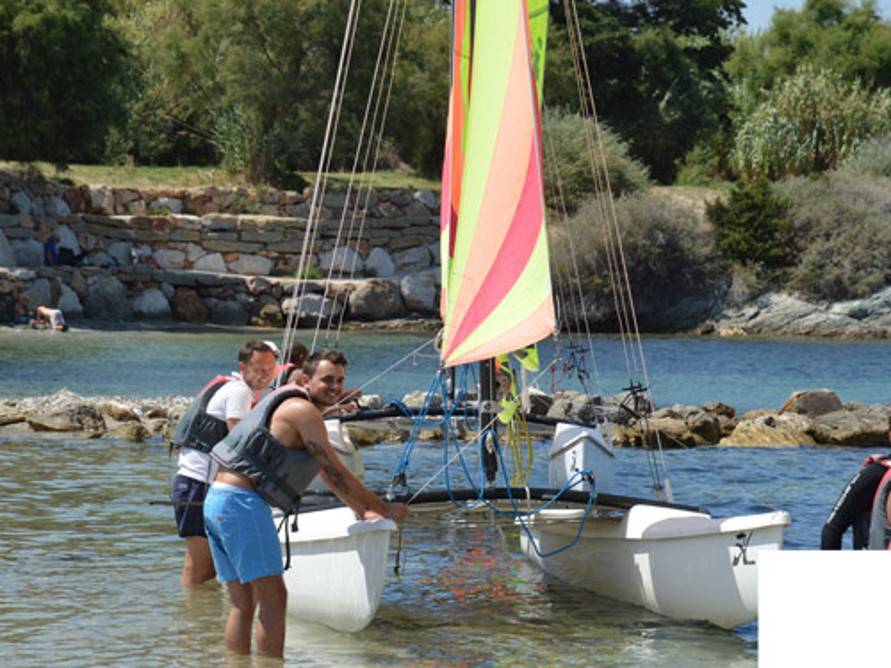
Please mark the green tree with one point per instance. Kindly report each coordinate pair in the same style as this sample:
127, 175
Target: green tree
810, 123
753, 226
656, 71
61, 73
850, 39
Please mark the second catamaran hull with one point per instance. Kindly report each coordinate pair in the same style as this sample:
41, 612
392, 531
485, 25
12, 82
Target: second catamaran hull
676, 563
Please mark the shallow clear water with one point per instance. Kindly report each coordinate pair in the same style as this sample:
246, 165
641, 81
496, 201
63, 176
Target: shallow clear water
89, 570
745, 374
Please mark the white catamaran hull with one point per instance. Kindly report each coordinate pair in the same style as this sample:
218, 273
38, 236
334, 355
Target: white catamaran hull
338, 568
681, 564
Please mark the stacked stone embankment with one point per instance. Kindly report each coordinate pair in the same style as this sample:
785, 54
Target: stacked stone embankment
225, 256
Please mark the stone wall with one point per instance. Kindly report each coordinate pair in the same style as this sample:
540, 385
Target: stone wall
225, 256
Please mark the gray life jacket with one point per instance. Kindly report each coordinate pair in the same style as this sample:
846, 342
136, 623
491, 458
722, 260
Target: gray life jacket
197, 429
880, 523
279, 474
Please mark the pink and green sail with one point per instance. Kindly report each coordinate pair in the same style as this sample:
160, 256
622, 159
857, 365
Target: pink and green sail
496, 279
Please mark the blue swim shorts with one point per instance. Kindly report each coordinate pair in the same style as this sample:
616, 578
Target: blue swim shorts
242, 535
188, 496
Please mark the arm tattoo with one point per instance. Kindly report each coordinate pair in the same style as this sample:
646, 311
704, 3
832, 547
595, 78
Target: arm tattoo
333, 473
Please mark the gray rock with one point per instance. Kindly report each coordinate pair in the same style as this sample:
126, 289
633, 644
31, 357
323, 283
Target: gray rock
344, 260
107, 299
172, 204
812, 403
428, 199
379, 263
865, 426
102, 200
194, 252
152, 305
413, 258
375, 299
212, 262
20, 202
170, 258
252, 265
168, 290
7, 257
55, 206
28, 252
122, 251
767, 429
420, 291
69, 303
39, 292
310, 307
225, 312
67, 239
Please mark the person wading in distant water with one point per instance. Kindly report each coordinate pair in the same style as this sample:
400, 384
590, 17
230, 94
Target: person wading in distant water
216, 410
286, 429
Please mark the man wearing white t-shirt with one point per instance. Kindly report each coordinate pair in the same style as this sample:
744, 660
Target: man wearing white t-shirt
256, 370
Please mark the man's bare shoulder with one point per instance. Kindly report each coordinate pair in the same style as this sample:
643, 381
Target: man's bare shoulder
298, 410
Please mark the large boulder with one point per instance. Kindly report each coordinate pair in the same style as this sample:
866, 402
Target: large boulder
344, 260
152, 305
107, 299
767, 429
412, 259
21, 203
420, 291
66, 237
812, 403
576, 406
375, 299
226, 312
187, 305
39, 292
310, 307
212, 262
7, 257
69, 303
862, 426
169, 258
252, 265
122, 252
28, 252
379, 263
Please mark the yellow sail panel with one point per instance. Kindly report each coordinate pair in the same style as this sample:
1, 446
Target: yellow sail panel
500, 245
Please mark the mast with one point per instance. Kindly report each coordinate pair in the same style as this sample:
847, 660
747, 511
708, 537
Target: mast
488, 411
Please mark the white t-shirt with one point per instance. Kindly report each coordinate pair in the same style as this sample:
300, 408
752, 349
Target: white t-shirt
231, 402
56, 318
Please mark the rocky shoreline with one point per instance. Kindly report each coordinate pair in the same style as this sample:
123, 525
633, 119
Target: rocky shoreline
811, 418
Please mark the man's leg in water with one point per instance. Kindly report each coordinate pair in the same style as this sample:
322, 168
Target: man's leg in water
271, 596
241, 616
198, 565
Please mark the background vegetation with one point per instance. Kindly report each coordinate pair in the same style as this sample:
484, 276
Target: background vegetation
792, 123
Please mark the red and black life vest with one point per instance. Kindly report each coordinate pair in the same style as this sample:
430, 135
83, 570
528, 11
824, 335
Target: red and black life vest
197, 429
880, 523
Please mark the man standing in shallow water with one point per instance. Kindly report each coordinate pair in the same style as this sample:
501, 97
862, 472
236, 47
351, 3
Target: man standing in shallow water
256, 367
242, 534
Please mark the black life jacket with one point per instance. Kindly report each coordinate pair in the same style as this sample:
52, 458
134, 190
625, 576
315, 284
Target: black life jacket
197, 429
880, 523
279, 474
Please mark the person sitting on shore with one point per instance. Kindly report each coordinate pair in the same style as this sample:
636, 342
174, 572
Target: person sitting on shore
51, 318
21, 312
208, 420
287, 425
862, 506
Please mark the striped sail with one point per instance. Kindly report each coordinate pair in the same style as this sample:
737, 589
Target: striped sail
496, 281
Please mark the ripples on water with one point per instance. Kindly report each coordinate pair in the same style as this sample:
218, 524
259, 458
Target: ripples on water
90, 570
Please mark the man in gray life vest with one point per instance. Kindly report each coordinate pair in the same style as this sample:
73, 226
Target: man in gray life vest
218, 407
270, 458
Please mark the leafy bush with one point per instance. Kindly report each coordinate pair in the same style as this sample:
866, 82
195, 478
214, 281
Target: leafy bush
675, 272
753, 227
811, 123
567, 165
842, 224
872, 157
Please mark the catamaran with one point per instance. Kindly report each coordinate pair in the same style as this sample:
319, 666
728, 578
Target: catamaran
496, 303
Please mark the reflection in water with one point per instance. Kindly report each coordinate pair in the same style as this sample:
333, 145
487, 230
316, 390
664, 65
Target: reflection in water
90, 571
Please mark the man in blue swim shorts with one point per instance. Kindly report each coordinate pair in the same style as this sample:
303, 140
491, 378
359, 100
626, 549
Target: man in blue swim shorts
242, 535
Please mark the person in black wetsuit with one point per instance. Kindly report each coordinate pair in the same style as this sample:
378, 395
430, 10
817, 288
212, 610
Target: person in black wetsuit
854, 505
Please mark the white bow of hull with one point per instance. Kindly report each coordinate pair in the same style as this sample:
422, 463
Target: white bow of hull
680, 564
